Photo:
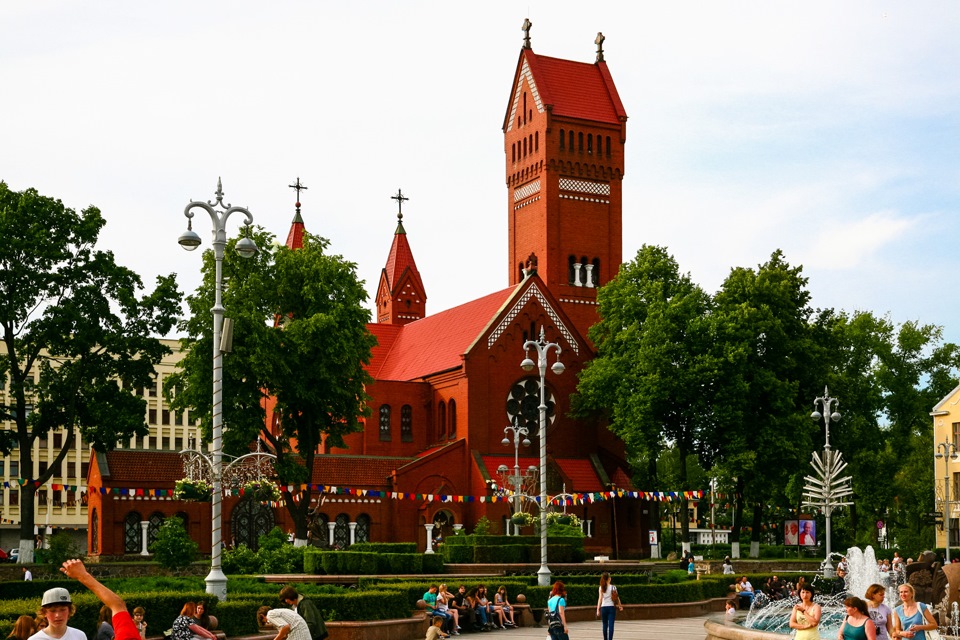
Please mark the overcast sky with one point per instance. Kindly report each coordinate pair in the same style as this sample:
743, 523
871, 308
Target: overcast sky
830, 130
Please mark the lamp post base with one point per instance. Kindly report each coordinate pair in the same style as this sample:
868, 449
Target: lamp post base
543, 576
827, 568
217, 584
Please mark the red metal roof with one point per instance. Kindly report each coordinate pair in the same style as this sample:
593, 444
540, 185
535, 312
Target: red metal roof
577, 89
364, 472
386, 335
401, 259
438, 342
580, 472
295, 236
128, 467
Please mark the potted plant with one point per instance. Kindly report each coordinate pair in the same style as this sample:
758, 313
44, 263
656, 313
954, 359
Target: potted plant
521, 518
262, 490
192, 490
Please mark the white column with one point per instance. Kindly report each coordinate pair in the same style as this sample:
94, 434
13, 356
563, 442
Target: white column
353, 531
576, 275
457, 527
144, 525
331, 526
589, 282
429, 528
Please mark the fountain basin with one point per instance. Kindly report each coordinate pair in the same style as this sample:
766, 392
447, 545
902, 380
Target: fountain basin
719, 628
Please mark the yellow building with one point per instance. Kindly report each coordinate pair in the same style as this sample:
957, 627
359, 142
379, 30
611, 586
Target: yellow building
66, 509
946, 467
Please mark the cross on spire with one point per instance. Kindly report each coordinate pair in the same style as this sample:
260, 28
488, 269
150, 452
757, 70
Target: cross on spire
298, 188
526, 32
599, 43
400, 198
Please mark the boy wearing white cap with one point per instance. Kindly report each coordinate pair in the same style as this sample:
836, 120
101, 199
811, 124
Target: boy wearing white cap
57, 608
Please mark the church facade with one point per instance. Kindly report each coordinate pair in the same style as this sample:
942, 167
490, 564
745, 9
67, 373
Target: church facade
447, 385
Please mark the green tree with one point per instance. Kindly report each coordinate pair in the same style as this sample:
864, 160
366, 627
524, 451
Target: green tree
301, 339
74, 325
654, 372
173, 548
770, 366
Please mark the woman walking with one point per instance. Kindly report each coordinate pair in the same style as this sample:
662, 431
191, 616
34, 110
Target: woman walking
805, 617
880, 613
857, 625
607, 604
912, 618
556, 606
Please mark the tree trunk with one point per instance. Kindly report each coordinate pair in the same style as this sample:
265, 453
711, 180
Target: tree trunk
755, 534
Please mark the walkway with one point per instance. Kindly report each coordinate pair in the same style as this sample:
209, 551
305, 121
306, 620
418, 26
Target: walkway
673, 628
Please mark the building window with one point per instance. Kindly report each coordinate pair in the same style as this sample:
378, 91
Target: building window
71, 498
562, 140
442, 420
165, 416
152, 416
154, 528
599, 145
341, 532
57, 498
385, 423
453, 420
42, 497
589, 143
131, 532
956, 434
596, 272
84, 467
406, 423
94, 533
362, 532
608, 146
153, 389
57, 440
41, 468
580, 142
178, 419
536, 141
571, 141
571, 269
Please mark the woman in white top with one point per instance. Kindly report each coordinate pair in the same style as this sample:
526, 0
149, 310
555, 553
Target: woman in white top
607, 605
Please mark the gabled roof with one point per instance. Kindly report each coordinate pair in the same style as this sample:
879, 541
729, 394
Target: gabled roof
369, 472
400, 261
136, 467
435, 343
567, 88
941, 408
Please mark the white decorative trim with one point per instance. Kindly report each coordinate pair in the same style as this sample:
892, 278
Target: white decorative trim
528, 202
578, 301
585, 186
533, 292
524, 73
584, 199
526, 190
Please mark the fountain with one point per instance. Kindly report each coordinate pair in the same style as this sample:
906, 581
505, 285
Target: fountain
769, 619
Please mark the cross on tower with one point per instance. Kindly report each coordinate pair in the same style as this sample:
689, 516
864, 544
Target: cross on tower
298, 187
599, 43
526, 32
400, 198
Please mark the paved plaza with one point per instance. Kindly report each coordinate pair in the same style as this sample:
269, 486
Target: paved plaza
672, 628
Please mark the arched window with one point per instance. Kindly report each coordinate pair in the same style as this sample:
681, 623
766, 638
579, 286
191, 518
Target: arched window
453, 420
596, 272
589, 143
385, 423
580, 142
248, 521
608, 145
319, 532
94, 533
156, 520
524, 147
341, 532
536, 141
524, 107
362, 532
441, 420
531, 144
131, 532
406, 423
562, 140
513, 152
571, 141
599, 145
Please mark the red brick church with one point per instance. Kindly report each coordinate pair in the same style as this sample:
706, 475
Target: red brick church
447, 384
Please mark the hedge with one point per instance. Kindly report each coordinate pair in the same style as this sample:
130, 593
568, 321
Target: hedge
370, 563
384, 547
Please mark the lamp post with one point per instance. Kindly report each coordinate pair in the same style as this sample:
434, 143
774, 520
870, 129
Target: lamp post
519, 431
543, 349
948, 451
825, 492
216, 580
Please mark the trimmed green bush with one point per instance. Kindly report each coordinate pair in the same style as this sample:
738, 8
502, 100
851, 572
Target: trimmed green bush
385, 547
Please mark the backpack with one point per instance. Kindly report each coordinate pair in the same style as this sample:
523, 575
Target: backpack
553, 616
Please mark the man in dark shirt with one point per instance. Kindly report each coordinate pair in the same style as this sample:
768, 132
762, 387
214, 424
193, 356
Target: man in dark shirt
307, 610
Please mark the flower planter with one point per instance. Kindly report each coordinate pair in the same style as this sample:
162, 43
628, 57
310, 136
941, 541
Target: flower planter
192, 491
261, 491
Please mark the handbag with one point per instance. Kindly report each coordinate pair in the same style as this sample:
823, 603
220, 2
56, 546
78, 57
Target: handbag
615, 596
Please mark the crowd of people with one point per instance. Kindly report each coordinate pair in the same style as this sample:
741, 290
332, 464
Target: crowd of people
469, 609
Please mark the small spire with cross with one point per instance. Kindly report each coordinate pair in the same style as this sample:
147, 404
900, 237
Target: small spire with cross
298, 188
599, 43
400, 198
526, 32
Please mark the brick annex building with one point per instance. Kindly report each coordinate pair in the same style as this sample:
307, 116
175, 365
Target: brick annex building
447, 384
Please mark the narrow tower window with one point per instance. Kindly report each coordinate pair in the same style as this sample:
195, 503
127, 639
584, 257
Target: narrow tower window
580, 142
589, 143
562, 139
536, 141
608, 145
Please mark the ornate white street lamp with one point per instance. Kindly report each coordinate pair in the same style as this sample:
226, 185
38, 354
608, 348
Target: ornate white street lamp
216, 580
543, 349
948, 451
826, 491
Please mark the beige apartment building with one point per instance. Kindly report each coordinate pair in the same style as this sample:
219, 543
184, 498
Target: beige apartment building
62, 508
946, 470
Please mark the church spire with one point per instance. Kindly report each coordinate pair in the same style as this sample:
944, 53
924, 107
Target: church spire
401, 297
295, 236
